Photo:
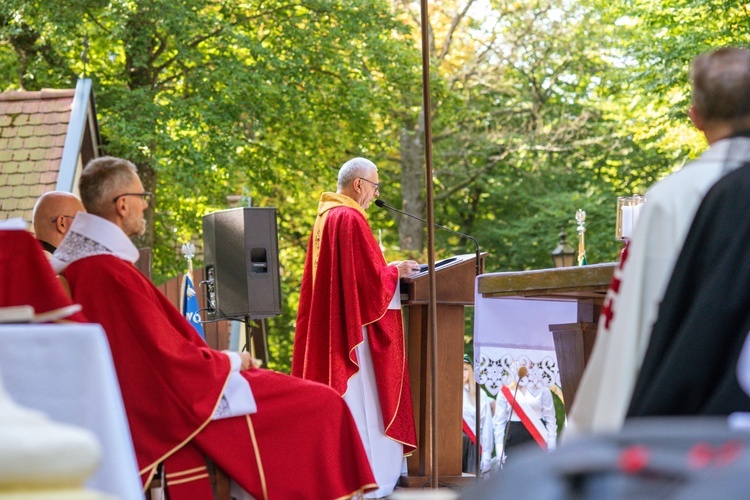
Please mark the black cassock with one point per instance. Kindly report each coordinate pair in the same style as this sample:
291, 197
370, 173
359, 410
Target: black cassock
691, 362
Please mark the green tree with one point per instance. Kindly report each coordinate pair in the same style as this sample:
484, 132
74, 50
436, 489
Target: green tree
261, 99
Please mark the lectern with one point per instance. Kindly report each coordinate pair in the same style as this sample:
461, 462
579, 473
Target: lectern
455, 290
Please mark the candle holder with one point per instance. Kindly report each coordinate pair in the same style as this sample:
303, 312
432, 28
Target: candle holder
581, 228
628, 211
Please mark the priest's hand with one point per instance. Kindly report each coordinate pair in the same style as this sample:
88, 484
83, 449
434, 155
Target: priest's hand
249, 362
406, 267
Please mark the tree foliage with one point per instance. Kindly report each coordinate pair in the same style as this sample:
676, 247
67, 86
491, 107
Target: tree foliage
539, 108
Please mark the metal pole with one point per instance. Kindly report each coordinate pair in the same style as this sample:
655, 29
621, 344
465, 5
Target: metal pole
477, 424
426, 109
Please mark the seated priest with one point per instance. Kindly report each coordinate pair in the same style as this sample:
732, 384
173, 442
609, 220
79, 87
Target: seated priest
26, 278
275, 436
53, 214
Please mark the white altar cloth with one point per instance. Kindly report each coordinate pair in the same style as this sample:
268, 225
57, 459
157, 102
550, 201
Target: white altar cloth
66, 371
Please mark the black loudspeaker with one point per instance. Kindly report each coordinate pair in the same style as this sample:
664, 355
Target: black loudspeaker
241, 264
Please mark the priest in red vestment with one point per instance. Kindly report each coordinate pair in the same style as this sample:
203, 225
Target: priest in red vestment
349, 333
275, 436
26, 278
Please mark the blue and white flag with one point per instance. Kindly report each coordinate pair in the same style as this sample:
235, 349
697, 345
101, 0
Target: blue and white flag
189, 304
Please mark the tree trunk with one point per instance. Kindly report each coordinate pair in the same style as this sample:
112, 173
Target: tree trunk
411, 144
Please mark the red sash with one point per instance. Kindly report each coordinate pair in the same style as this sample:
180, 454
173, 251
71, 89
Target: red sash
525, 419
469, 432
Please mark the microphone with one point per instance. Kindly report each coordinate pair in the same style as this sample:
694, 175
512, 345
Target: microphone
380, 203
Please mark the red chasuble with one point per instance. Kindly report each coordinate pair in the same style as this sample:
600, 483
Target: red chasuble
159, 361
171, 383
347, 285
26, 277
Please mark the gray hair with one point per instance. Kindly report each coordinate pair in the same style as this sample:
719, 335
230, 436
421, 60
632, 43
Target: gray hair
101, 180
353, 169
721, 80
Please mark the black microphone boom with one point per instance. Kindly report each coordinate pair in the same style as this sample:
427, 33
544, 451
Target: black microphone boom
382, 204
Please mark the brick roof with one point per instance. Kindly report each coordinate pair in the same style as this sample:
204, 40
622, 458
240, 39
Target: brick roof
33, 126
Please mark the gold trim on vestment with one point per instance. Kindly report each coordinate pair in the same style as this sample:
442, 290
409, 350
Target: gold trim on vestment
171, 452
188, 471
261, 473
187, 480
358, 491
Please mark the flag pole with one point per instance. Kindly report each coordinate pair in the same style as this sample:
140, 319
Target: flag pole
426, 110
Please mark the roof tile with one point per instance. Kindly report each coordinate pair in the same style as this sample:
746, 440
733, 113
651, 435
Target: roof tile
20, 154
10, 203
9, 132
31, 107
57, 129
21, 191
54, 152
31, 178
46, 177
36, 154
26, 166
15, 180
28, 201
14, 108
50, 117
25, 131
33, 142
55, 105
33, 127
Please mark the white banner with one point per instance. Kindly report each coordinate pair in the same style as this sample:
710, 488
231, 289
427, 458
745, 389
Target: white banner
513, 332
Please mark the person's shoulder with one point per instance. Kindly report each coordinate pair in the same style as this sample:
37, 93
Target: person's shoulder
693, 176
106, 267
346, 215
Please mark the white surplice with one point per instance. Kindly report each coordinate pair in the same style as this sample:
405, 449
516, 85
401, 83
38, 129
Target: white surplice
386, 456
607, 385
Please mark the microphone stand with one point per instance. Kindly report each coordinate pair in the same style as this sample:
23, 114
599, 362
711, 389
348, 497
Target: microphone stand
478, 263
507, 424
478, 270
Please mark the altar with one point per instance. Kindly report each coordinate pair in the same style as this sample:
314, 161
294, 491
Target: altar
512, 310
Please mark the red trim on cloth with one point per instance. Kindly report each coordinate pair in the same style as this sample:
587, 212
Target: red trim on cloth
525, 419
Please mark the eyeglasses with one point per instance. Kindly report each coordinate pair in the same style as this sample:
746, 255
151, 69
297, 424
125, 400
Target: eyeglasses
376, 184
146, 195
67, 216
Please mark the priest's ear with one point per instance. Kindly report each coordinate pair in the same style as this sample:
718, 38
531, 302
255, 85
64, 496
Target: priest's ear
62, 223
121, 205
697, 118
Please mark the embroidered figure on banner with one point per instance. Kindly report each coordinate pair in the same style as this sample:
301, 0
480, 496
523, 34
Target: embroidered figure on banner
494, 373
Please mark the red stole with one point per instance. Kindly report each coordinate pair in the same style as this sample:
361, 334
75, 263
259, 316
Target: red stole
147, 337
348, 287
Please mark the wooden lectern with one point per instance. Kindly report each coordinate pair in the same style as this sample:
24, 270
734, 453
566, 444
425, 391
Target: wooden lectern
455, 290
